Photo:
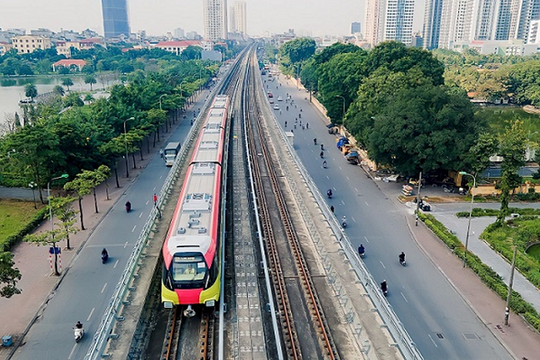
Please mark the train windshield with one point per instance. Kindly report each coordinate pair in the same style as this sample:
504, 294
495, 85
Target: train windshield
188, 269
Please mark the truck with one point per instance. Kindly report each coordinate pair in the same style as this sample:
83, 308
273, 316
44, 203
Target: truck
170, 152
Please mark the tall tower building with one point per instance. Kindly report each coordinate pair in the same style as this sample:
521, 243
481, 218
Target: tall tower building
432, 24
215, 19
389, 20
356, 28
237, 18
115, 18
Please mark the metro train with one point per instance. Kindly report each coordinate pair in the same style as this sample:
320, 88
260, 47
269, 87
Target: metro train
192, 249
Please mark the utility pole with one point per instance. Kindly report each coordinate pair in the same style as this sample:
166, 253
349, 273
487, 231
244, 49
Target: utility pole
418, 198
507, 310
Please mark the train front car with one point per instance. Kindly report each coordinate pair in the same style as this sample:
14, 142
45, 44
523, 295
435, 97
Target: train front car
192, 249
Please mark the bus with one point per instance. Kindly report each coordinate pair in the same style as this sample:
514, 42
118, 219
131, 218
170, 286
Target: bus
169, 153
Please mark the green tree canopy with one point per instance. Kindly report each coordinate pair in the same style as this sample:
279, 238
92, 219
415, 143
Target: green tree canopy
423, 129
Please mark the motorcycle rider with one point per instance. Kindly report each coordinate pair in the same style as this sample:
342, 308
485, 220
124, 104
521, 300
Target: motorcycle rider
322, 146
78, 325
128, 206
402, 257
324, 164
361, 250
344, 221
322, 154
329, 193
315, 141
104, 254
384, 287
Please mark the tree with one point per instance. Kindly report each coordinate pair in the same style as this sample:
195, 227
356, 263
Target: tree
423, 129
67, 82
191, 53
80, 187
397, 57
49, 237
512, 145
73, 99
59, 90
93, 178
30, 91
89, 79
8, 275
294, 52
61, 207
477, 158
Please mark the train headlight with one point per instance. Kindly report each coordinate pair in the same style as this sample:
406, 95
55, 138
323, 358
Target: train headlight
167, 305
210, 303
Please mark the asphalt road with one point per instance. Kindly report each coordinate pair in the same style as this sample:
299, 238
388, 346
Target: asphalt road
87, 288
438, 319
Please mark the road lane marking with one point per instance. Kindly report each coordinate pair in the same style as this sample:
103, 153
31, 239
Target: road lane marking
90, 315
72, 350
382, 264
366, 203
348, 178
404, 297
103, 289
141, 214
365, 237
125, 245
355, 189
353, 219
432, 340
116, 263
132, 230
147, 202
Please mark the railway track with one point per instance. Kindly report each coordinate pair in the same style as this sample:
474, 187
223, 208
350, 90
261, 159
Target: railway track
290, 273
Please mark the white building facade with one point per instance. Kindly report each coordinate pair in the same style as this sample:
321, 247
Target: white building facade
389, 20
215, 19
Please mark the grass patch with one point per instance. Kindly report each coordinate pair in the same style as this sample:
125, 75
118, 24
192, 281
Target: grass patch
15, 216
498, 116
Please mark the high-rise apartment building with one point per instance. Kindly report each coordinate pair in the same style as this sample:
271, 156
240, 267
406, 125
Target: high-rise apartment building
483, 20
389, 20
237, 18
215, 19
115, 18
432, 24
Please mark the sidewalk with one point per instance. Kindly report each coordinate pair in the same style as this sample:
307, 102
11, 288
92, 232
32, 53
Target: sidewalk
38, 283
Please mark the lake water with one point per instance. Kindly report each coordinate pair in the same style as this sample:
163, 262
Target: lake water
12, 90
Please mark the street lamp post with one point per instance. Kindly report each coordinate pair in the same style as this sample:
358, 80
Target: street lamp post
125, 143
470, 216
162, 95
32, 185
63, 176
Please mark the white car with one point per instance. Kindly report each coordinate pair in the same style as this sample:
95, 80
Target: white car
276, 107
271, 101
279, 98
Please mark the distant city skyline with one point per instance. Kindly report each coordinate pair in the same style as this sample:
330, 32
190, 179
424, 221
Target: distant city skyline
306, 17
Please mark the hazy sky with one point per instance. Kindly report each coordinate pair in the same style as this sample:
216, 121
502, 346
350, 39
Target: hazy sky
157, 17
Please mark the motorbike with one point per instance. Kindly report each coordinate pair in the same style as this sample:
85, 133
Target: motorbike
104, 257
344, 223
128, 206
361, 252
329, 194
78, 334
384, 288
402, 259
